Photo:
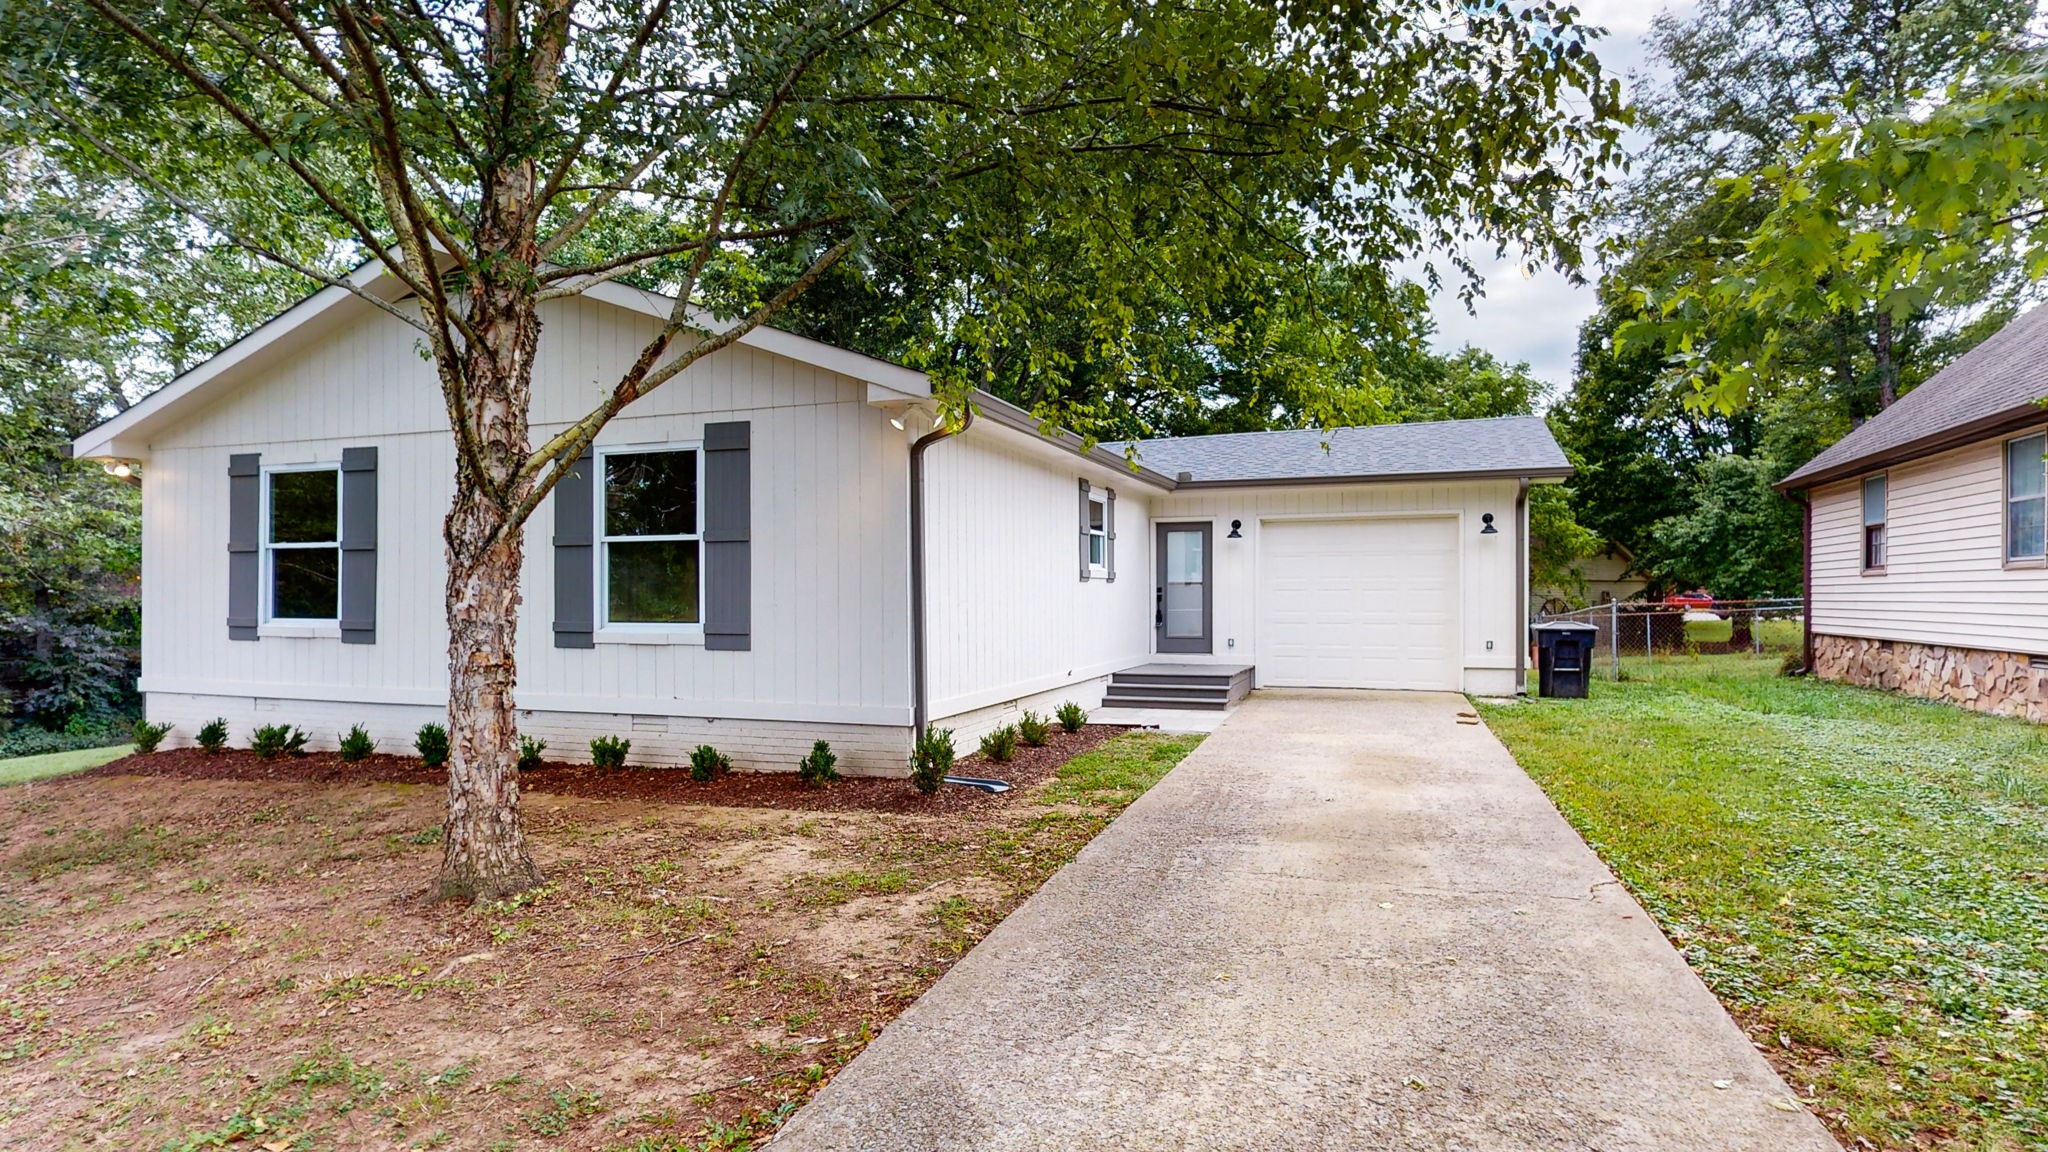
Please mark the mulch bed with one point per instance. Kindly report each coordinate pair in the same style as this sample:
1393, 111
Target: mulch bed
671, 785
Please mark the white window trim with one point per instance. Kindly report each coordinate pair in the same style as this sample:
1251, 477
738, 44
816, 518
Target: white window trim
632, 632
1863, 524
1098, 498
2030, 560
273, 625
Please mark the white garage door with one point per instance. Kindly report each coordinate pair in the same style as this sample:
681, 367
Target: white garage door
1359, 603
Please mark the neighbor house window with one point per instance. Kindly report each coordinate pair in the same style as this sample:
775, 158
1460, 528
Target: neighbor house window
1873, 522
2026, 492
1098, 532
302, 543
650, 537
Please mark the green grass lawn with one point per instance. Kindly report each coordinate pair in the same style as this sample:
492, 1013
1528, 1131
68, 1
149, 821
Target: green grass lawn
1780, 634
1861, 878
22, 769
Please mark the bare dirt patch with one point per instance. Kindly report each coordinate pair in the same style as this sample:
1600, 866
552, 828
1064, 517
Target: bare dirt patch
234, 952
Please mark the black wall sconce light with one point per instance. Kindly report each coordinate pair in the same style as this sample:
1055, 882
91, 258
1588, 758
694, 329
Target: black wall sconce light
1234, 533
1487, 521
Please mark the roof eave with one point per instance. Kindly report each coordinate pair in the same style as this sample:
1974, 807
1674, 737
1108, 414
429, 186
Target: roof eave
999, 411
1958, 436
1534, 474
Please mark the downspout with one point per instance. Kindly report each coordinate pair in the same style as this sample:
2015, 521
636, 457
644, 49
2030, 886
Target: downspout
1522, 587
920, 706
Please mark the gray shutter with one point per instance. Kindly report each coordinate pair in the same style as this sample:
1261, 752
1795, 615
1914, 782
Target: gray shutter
1109, 531
1084, 530
359, 546
575, 557
728, 548
245, 529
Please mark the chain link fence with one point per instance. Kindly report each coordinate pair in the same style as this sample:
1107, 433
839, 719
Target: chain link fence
1668, 629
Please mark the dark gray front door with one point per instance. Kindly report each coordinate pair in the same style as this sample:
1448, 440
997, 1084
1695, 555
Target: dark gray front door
1182, 606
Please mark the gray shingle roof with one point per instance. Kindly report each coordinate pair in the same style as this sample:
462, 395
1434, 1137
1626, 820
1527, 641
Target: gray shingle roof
1992, 385
1507, 445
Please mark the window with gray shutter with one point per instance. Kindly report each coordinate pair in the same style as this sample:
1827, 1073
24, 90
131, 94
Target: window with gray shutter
1109, 533
728, 537
359, 546
575, 561
245, 532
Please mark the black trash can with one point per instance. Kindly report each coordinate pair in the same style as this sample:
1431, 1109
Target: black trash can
1564, 657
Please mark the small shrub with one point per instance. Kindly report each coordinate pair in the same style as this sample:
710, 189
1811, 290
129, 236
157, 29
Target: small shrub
274, 740
818, 767
1000, 744
529, 753
1033, 729
931, 759
1794, 664
431, 742
1072, 716
609, 751
148, 736
355, 744
213, 735
708, 764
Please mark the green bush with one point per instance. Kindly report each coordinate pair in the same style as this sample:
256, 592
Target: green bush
355, 744
931, 759
1000, 744
708, 763
1794, 664
529, 753
431, 742
1072, 716
274, 740
148, 736
213, 735
609, 751
818, 767
1033, 729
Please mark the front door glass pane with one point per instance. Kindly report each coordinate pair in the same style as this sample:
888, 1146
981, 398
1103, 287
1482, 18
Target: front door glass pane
1184, 577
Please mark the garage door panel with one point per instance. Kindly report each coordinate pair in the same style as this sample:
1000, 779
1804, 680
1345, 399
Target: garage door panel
1359, 604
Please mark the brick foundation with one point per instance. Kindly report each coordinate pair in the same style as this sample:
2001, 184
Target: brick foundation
2001, 683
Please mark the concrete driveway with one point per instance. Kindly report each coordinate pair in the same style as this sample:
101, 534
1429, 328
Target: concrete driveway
1346, 922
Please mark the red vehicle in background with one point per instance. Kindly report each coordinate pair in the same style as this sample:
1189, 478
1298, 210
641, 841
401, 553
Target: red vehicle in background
1694, 601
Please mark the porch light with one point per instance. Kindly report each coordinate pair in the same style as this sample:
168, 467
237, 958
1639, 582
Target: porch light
118, 469
1234, 533
896, 422
1487, 528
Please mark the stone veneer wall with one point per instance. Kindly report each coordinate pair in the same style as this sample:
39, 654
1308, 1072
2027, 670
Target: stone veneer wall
2002, 683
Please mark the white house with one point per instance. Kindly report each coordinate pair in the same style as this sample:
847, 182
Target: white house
740, 563
1927, 569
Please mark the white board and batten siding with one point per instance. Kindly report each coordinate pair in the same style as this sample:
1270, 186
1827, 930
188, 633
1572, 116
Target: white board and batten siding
1012, 625
1945, 579
1458, 590
830, 614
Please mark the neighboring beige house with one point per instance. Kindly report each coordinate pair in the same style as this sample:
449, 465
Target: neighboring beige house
1604, 576
1925, 559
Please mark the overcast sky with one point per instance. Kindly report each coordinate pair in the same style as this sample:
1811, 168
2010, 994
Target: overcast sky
1537, 319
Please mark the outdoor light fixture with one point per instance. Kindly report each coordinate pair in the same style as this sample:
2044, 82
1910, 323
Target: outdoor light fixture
1487, 521
896, 422
120, 469
1234, 533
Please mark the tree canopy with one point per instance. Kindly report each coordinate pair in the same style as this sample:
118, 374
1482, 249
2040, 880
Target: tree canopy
1067, 185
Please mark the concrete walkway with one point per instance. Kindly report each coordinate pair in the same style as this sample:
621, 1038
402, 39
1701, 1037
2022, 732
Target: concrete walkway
1346, 922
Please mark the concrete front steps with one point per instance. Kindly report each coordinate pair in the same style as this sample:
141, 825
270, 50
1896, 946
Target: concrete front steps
1204, 687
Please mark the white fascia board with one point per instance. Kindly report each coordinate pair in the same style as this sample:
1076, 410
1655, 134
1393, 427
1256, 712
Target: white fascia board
121, 436
909, 382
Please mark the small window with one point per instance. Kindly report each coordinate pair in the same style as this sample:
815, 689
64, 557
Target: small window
1873, 522
2026, 493
302, 544
650, 538
1098, 533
